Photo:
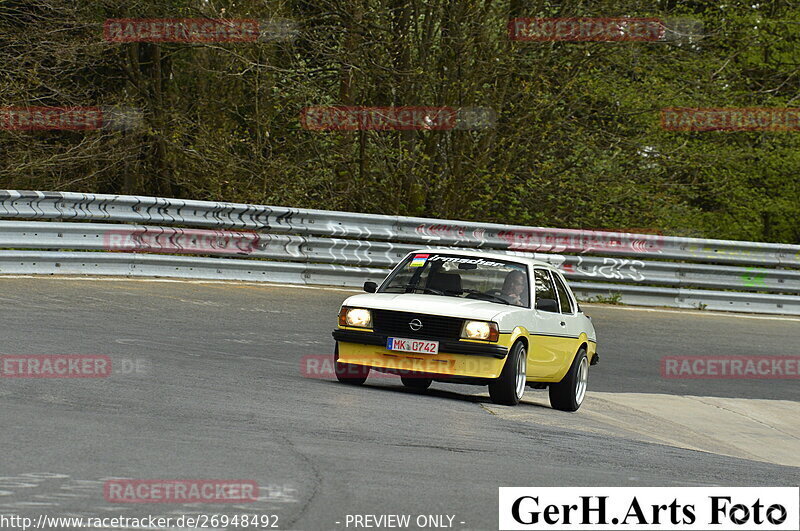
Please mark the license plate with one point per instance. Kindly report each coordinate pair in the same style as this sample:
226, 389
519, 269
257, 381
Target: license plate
418, 346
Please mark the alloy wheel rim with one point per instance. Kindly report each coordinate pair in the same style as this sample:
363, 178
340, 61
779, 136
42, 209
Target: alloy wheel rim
583, 378
522, 366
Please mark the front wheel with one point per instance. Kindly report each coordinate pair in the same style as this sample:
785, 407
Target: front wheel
508, 388
568, 394
347, 372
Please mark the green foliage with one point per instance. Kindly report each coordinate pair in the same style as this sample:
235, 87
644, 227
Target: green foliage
577, 141
611, 298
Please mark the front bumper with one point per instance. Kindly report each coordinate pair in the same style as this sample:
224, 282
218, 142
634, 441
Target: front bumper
455, 358
454, 347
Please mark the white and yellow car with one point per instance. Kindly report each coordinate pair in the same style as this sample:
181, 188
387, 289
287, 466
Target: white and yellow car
470, 317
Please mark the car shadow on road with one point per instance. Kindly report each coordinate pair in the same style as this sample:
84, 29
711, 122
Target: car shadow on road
390, 387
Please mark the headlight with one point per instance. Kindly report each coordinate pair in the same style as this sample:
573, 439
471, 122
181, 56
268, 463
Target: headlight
359, 317
480, 330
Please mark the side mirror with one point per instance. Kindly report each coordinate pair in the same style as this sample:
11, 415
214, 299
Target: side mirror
547, 305
370, 287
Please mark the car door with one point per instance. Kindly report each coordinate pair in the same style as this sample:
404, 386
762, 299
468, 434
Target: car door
570, 323
547, 349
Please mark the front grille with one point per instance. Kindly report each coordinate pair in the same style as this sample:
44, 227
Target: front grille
433, 326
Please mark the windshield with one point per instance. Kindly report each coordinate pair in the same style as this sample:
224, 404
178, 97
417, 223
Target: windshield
469, 277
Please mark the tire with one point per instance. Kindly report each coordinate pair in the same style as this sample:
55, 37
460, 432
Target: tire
508, 388
348, 373
416, 383
568, 394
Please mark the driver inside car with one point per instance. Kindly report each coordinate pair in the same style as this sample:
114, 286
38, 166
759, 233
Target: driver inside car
514, 289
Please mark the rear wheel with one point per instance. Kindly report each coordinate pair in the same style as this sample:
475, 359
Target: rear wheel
347, 372
568, 394
508, 388
416, 383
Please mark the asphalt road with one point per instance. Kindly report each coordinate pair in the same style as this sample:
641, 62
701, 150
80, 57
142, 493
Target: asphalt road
217, 391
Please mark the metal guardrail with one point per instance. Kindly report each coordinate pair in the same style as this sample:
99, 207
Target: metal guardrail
278, 244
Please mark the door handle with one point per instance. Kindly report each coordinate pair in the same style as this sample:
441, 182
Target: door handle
563, 323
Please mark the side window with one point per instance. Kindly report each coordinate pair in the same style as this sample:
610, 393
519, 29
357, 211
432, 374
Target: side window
544, 286
563, 295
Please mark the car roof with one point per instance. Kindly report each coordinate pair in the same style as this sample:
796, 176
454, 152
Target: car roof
487, 254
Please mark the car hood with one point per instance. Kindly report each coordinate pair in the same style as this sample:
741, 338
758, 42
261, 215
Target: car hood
430, 304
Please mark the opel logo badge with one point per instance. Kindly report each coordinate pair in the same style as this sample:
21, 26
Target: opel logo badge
415, 324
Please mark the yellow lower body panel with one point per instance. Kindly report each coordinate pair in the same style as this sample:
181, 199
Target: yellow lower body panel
592, 351
442, 363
